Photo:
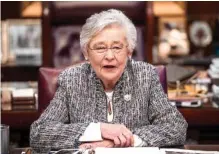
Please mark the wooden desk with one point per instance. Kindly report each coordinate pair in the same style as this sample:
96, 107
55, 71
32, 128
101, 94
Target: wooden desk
203, 116
189, 147
202, 147
19, 119
203, 123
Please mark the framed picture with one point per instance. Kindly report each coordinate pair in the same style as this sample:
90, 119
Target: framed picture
4, 52
24, 41
67, 50
173, 41
178, 21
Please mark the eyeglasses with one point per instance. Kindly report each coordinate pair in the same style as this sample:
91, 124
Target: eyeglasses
102, 50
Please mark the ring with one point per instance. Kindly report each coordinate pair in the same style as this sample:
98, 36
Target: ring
123, 134
88, 146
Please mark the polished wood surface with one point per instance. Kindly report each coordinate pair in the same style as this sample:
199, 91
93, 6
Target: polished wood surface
204, 116
19, 119
210, 147
187, 147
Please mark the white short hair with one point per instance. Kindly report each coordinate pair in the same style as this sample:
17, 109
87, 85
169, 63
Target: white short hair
99, 21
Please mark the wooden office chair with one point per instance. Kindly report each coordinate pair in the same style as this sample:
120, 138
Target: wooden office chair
48, 83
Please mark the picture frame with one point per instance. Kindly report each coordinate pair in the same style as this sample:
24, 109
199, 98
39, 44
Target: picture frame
66, 44
178, 20
24, 41
4, 51
173, 41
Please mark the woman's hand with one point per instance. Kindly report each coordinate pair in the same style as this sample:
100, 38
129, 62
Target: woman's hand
118, 133
105, 143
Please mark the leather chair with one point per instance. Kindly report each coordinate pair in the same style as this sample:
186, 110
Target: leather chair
48, 83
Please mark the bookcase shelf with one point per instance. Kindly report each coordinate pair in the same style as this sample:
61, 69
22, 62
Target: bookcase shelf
19, 73
194, 116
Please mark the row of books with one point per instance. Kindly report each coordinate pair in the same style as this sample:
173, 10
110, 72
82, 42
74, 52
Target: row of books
19, 99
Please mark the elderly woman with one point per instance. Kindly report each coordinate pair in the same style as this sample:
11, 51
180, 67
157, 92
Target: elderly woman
110, 100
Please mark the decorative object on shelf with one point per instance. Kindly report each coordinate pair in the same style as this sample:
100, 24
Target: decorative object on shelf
200, 33
19, 96
201, 37
173, 41
213, 72
24, 41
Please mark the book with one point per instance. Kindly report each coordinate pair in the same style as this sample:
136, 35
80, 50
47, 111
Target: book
20, 99
21, 94
129, 150
23, 102
23, 107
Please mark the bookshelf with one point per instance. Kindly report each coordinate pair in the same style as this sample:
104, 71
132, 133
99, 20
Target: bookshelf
18, 120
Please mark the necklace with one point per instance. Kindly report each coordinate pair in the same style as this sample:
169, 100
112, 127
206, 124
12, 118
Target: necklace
109, 106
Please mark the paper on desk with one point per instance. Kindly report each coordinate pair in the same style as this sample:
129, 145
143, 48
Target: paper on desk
131, 150
185, 151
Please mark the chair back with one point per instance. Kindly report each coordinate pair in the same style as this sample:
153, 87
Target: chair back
47, 84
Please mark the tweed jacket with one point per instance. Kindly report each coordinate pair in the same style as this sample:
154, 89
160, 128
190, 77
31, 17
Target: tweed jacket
139, 103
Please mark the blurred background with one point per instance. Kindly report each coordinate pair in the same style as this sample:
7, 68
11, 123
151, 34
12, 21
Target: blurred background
183, 36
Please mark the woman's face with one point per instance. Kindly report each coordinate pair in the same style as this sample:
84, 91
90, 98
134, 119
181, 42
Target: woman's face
108, 53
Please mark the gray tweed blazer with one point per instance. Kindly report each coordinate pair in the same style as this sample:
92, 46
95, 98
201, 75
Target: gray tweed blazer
80, 99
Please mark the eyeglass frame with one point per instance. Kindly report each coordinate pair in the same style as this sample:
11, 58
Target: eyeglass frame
106, 49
